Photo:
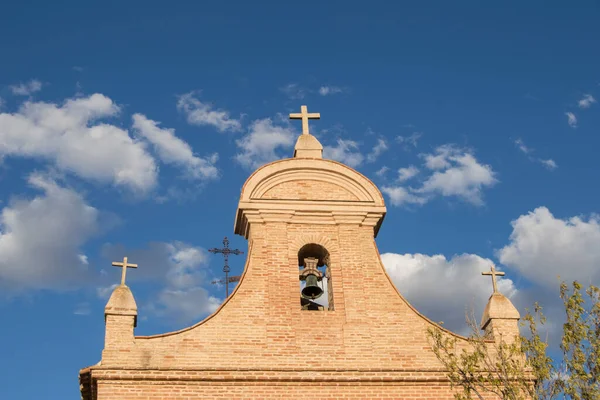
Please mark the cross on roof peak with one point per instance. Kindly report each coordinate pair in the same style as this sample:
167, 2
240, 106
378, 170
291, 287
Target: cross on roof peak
304, 115
493, 273
123, 265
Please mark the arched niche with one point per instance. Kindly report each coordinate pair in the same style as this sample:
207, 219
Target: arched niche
316, 256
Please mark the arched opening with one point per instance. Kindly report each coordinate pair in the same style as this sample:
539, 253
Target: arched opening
316, 292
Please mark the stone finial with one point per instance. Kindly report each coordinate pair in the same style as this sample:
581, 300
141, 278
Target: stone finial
500, 318
307, 145
120, 319
121, 302
499, 307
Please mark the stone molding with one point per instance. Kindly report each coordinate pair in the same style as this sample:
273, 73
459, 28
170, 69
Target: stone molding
255, 214
369, 208
271, 174
273, 375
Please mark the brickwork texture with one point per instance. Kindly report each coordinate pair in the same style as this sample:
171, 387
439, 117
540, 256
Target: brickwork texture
260, 344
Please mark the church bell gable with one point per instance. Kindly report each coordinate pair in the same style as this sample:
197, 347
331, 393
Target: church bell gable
314, 314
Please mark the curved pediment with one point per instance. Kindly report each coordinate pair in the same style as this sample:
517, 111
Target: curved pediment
315, 188
309, 190
310, 180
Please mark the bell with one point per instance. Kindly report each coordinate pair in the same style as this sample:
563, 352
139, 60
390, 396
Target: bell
312, 290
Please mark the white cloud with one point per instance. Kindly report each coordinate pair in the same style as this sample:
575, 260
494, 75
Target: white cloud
462, 175
26, 89
41, 238
70, 136
381, 171
412, 139
329, 90
173, 150
82, 308
571, 119
182, 269
521, 146
185, 260
400, 196
405, 174
185, 305
439, 159
2, 103
586, 101
456, 172
444, 288
377, 150
542, 247
259, 146
345, 152
549, 163
294, 91
201, 114
104, 292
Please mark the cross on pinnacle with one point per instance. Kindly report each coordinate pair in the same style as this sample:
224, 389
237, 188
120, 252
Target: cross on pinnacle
304, 115
493, 273
226, 251
123, 265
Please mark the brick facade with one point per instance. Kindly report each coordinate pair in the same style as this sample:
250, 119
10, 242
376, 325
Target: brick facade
260, 344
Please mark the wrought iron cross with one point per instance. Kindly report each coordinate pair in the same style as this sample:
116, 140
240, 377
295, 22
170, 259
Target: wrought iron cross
231, 279
304, 115
493, 273
226, 251
123, 265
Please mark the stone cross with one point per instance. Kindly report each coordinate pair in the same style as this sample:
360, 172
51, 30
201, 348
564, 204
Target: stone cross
304, 115
493, 273
124, 265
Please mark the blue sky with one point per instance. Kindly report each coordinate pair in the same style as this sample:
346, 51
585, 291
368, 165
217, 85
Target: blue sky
129, 128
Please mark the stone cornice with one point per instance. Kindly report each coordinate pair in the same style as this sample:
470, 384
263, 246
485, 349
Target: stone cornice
272, 375
253, 213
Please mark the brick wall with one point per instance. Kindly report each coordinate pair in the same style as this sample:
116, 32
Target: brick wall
305, 390
261, 345
265, 327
